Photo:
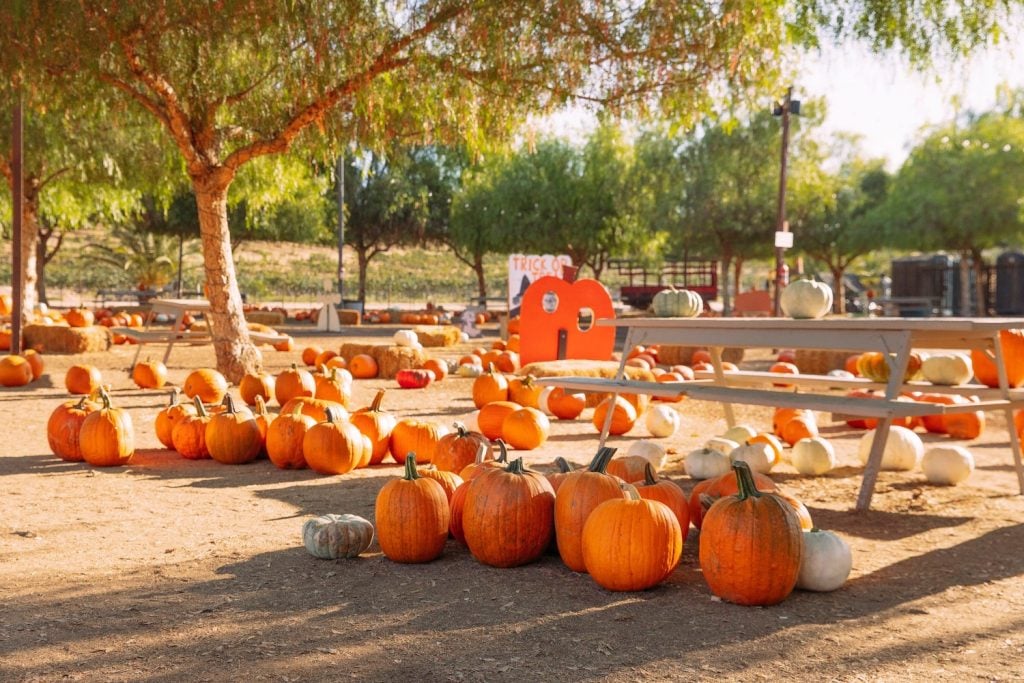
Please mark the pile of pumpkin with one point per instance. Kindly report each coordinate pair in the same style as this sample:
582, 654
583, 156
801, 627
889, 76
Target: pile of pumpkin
626, 529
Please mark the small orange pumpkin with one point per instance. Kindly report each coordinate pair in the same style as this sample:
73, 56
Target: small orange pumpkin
83, 379
107, 438
256, 384
149, 374
64, 427
233, 437
284, 439
207, 384
189, 434
363, 366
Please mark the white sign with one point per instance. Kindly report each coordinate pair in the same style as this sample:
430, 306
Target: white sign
784, 240
523, 269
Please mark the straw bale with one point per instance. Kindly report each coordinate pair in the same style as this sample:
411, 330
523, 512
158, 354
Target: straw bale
585, 368
820, 361
265, 317
438, 335
347, 316
63, 339
390, 358
673, 354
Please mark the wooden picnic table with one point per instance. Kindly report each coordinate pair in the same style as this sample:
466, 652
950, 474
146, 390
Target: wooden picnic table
895, 336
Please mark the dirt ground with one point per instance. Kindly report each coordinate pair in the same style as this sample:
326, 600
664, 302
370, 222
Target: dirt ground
177, 570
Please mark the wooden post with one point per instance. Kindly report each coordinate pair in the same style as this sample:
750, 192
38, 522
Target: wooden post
18, 192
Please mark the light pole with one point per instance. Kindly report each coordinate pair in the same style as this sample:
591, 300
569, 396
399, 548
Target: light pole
783, 237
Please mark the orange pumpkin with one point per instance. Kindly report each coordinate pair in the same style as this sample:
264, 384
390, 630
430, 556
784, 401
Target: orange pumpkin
1012, 343
35, 360
256, 384
334, 385
377, 426
667, 492
284, 439
449, 481
525, 391
566, 406
628, 468
803, 427
310, 354
79, 317
363, 366
334, 446
321, 360
106, 437
83, 379
15, 371
489, 387
209, 385
623, 415
293, 383
492, 417
715, 488
64, 427
525, 428
579, 493
563, 469
149, 374
438, 367
412, 515
416, 436
316, 408
458, 449
233, 437
783, 368
167, 418
189, 434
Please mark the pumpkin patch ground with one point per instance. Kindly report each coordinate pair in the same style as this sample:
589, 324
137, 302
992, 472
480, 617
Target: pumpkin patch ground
191, 570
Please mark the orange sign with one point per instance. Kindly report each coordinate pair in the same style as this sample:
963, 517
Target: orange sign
557, 321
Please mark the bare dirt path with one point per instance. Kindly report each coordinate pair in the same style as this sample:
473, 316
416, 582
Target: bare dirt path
175, 570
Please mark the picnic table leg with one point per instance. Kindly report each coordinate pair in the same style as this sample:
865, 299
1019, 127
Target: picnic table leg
867, 484
716, 362
1004, 386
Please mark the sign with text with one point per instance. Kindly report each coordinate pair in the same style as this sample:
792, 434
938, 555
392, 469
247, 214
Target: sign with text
526, 268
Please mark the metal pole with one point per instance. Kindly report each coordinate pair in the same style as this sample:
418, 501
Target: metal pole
341, 229
781, 274
18, 192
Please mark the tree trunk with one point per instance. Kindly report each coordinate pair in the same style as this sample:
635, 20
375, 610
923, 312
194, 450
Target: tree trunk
723, 280
965, 284
980, 283
29, 239
236, 355
364, 265
737, 272
838, 290
481, 280
41, 242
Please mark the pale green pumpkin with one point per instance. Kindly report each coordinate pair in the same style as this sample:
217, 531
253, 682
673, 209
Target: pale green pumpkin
332, 536
677, 303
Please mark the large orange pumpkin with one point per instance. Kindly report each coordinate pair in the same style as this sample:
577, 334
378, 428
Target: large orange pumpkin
83, 379
580, 492
334, 384
416, 436
233, 437
208, 384
376, 425
64, 427
741, 536
412, 515
489, 387
107, 438
284, 439
525, 428
1012, 342
334, 446
492, 417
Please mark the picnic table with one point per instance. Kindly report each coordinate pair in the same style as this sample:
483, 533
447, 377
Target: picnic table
896, 336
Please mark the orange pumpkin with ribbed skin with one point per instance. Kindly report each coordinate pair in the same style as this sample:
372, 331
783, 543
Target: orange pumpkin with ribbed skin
631, 543
479, 467
525, 429
623, 415
209, 385
783, 415
262, 417
507, 516
149, 374
563, 469
363, 366
334, 385
458, 449
333, 446
449, 481
803, 427
293, 383
628, 468
580, 492
1012, 342
377, 426
310, 354
964, 425
744, 534
493, 415
716, 487
170, 416
321, 360
107, 438
667, 492
438, 367
189, 434
83, 379
256, 384
566, 406
233, 437
316, 408
525, 391
412, 516
783, 368
35, 360
416, 436
286, 343
79, 317
482, 463
284, 438
489, 387
935, 424
15, 371
64, 427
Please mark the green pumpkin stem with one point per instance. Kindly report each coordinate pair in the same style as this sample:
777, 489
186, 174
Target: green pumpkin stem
601, 460
460, 429
516, 467
650, 479
745, 481
563, 465
229, 404
502, 451
410, 467
629, 491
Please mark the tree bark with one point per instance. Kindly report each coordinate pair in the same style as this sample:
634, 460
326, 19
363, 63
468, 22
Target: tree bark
29, 239
481, 280
723, 279
236, 354
41, 267
737, 272
364, 265
838, 290
965, 284
980, 282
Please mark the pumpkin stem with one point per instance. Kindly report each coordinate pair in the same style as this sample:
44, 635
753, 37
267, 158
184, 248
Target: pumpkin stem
502, 451
200, 408
650, 479
516, 467
745, 481
81, 403
377, 400
460, 429
175, 397
331, 414
629, 491
104, 398
601, 460
563, 465
261, 405
229, 404
410, 467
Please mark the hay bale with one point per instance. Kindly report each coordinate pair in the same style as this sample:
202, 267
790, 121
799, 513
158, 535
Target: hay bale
438, 335
63, 339
608, 369
820, 361
672, 354
347, 316
265, 317
390, 358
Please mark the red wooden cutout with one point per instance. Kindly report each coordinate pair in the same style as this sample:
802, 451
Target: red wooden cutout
539, 328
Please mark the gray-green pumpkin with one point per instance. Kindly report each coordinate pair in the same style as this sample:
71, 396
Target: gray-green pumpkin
677, 303
806, 299
332, 536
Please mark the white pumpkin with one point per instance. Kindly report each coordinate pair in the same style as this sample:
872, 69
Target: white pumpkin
721, 444
332, 536
471, 421
947, 369
903, 449
813, 455
653, 452
705, 463
804, 299
826, 561
542, 400
405, 337
677, 303
739, 433
469, 370
759, 455
840, 374
947, 464
662, 421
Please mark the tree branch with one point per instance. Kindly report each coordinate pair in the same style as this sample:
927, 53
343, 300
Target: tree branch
53, 176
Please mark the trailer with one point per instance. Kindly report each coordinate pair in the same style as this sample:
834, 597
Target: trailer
644, 282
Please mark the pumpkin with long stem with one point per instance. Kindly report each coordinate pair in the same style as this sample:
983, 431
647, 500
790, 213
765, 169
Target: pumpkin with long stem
631, 543
458, 449
580, 493
667, 492
508, 515
751, 545
233, 437
107, 438
167, 418
64, 428
376, 425
189, 434
412, 517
